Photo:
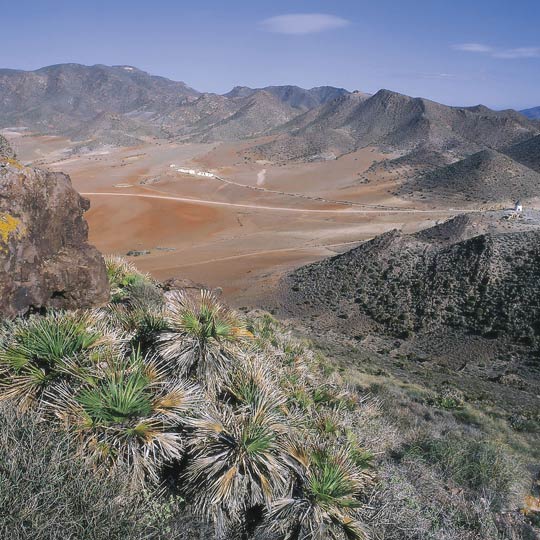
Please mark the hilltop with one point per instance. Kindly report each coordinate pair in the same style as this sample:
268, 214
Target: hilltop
393, 121
486, 176
462, 293
294, 96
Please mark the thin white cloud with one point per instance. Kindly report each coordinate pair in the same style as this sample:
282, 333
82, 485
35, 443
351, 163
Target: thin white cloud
510, 54
520, 52
440, 76
473, 47
303, 23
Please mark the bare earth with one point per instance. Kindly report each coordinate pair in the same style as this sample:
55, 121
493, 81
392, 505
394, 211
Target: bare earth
240, 231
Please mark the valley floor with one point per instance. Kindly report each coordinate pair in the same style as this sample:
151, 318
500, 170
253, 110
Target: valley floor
241, 230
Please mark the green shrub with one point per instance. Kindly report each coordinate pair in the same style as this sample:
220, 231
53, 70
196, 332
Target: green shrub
42, 352
477, 464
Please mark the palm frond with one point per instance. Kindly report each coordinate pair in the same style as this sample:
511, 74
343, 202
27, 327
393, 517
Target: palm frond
204, 337
130, 414
329, 493
43, 351
238, 461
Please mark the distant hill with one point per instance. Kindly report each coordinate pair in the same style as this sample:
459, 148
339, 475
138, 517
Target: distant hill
57, 99
399, 123
124, 106
254, 115
294, 96
120, 104
470, 285
533, 113
526, 152
487, 176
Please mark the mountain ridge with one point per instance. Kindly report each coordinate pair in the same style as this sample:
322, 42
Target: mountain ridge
393, 121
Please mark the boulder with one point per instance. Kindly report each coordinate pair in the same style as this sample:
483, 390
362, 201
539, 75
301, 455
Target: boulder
45, 258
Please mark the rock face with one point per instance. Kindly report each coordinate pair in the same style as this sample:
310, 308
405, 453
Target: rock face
477, 273
45, 260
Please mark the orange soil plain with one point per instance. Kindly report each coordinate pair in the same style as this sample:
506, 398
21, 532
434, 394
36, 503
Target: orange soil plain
241, 231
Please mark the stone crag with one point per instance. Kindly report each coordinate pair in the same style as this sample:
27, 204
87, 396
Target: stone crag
45, 259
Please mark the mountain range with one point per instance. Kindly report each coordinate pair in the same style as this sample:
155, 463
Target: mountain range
122, 103
395, 122
123, 106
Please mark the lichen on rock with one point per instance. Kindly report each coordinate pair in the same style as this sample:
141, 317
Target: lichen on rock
10, 226
45, 258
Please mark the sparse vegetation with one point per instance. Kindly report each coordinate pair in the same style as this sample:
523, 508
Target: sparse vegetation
239, 424
124, 278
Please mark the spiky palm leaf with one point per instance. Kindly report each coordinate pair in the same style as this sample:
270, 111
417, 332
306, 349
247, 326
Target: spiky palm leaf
123, 276
204, 337
327, 498
44, 351
238, 462
142, 324
130, 414
253, 382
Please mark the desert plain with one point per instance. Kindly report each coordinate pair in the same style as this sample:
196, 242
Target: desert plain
241, 229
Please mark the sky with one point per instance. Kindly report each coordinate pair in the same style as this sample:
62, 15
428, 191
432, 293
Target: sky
456, 52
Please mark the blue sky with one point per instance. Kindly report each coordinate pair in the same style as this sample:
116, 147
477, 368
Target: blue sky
453, 51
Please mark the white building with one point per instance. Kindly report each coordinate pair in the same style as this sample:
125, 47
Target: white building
518, 207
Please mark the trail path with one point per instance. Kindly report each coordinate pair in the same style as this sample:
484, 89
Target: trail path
268, 252
355, 210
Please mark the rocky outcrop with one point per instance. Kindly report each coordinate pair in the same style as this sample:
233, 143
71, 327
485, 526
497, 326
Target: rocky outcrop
45, 259
476, 273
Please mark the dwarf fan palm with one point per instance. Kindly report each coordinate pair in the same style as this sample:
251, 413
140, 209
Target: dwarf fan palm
238, 463
43, 351
252, 381
203, 337
123, 277
326, 498
129, 415
142, 324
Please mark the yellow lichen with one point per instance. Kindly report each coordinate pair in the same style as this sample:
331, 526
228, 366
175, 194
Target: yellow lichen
9, 226
12, 162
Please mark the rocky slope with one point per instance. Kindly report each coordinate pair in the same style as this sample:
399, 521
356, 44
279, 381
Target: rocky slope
45, 259
253, 116
477, 271
487, 176
527, 153
5, 149
465, 292
397, 122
